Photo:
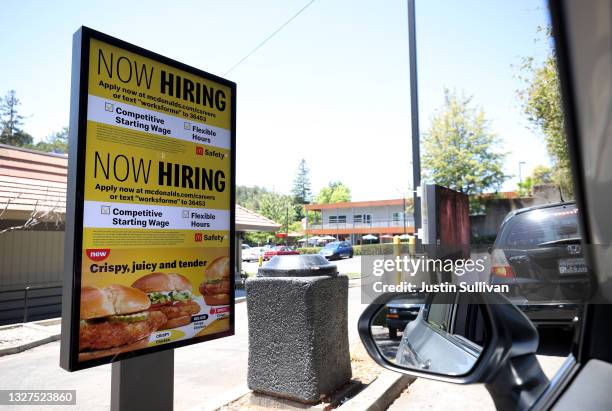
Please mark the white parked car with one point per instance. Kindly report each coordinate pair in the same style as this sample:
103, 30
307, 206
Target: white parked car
251, 253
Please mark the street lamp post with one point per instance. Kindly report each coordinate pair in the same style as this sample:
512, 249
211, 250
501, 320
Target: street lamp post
414, 114
287, 230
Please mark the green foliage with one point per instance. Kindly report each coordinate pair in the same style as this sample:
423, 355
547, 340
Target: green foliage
271, 205
55, 143
334, 192
295, 227
250, 197
541, 100
301, 184
309, 250
11, 122
278, 207
460, 151
258, 238
540, 175
301, 189
476, 205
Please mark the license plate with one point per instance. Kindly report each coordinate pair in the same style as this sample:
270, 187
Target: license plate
572, 266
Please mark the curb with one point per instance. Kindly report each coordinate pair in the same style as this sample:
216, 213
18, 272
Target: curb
381, 393
377, 396
227, 397
23, 347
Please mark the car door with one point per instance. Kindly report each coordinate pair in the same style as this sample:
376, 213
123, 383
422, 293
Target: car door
441, 338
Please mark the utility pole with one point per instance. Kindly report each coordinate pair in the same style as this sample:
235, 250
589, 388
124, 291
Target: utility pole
404, 212
414, 114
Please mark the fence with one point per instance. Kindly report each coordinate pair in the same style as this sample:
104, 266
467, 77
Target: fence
30, 303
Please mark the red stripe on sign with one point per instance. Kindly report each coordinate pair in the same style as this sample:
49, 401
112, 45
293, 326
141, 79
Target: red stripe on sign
219, 310
97, 254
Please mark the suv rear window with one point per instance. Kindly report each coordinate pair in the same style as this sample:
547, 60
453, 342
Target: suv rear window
529, 229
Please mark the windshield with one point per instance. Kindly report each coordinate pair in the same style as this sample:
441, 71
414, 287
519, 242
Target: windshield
340, 156
533, 228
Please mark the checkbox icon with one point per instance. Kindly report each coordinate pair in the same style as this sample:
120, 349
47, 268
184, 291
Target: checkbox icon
187, 126
105, 209
185, 213
109, 107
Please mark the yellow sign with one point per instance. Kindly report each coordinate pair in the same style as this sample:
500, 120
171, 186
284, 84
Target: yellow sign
154, 244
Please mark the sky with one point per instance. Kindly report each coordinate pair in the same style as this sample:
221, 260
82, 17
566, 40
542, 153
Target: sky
332, 87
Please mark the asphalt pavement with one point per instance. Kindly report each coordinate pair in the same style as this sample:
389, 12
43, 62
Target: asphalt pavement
349, 266
388, 346
202, 371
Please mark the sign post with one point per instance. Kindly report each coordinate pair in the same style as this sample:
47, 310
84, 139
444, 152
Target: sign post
150, 215
143, 383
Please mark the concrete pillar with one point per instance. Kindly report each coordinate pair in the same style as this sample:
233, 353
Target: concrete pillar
298, 328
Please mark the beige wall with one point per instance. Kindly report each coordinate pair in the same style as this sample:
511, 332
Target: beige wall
31, 257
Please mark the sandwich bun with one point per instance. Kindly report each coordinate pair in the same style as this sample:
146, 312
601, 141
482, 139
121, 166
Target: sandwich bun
217, 299
176, 322
215, 288
219, 269
112, 300
163, 282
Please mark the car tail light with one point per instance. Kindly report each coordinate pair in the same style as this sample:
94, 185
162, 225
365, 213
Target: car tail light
500, 266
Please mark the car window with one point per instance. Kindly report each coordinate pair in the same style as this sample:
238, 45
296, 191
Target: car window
437, 314
469, 323
532, 228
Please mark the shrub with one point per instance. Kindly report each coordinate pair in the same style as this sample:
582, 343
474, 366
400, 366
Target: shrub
309, 250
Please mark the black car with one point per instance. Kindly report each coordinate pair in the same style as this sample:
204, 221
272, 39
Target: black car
537, 253
399, 314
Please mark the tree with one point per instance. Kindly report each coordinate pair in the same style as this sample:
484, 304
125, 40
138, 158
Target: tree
539, 176
257, 238
277, 207
11, 122
301, 184
460, 151
55, 143
301, 189
250, 197
334, 192
541, 99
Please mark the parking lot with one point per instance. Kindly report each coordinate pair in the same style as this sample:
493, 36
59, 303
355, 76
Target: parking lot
348, 266
387, 345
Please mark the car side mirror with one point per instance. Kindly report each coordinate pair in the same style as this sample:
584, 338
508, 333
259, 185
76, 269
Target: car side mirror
463, 338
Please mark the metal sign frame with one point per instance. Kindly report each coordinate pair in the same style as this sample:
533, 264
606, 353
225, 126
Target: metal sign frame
75, 200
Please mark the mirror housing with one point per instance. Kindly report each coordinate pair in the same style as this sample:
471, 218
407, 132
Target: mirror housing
507, 366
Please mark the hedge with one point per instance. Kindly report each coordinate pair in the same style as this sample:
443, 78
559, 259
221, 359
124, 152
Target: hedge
309, 250
367, 249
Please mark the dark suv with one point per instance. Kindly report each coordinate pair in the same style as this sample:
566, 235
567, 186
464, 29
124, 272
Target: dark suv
537, 253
